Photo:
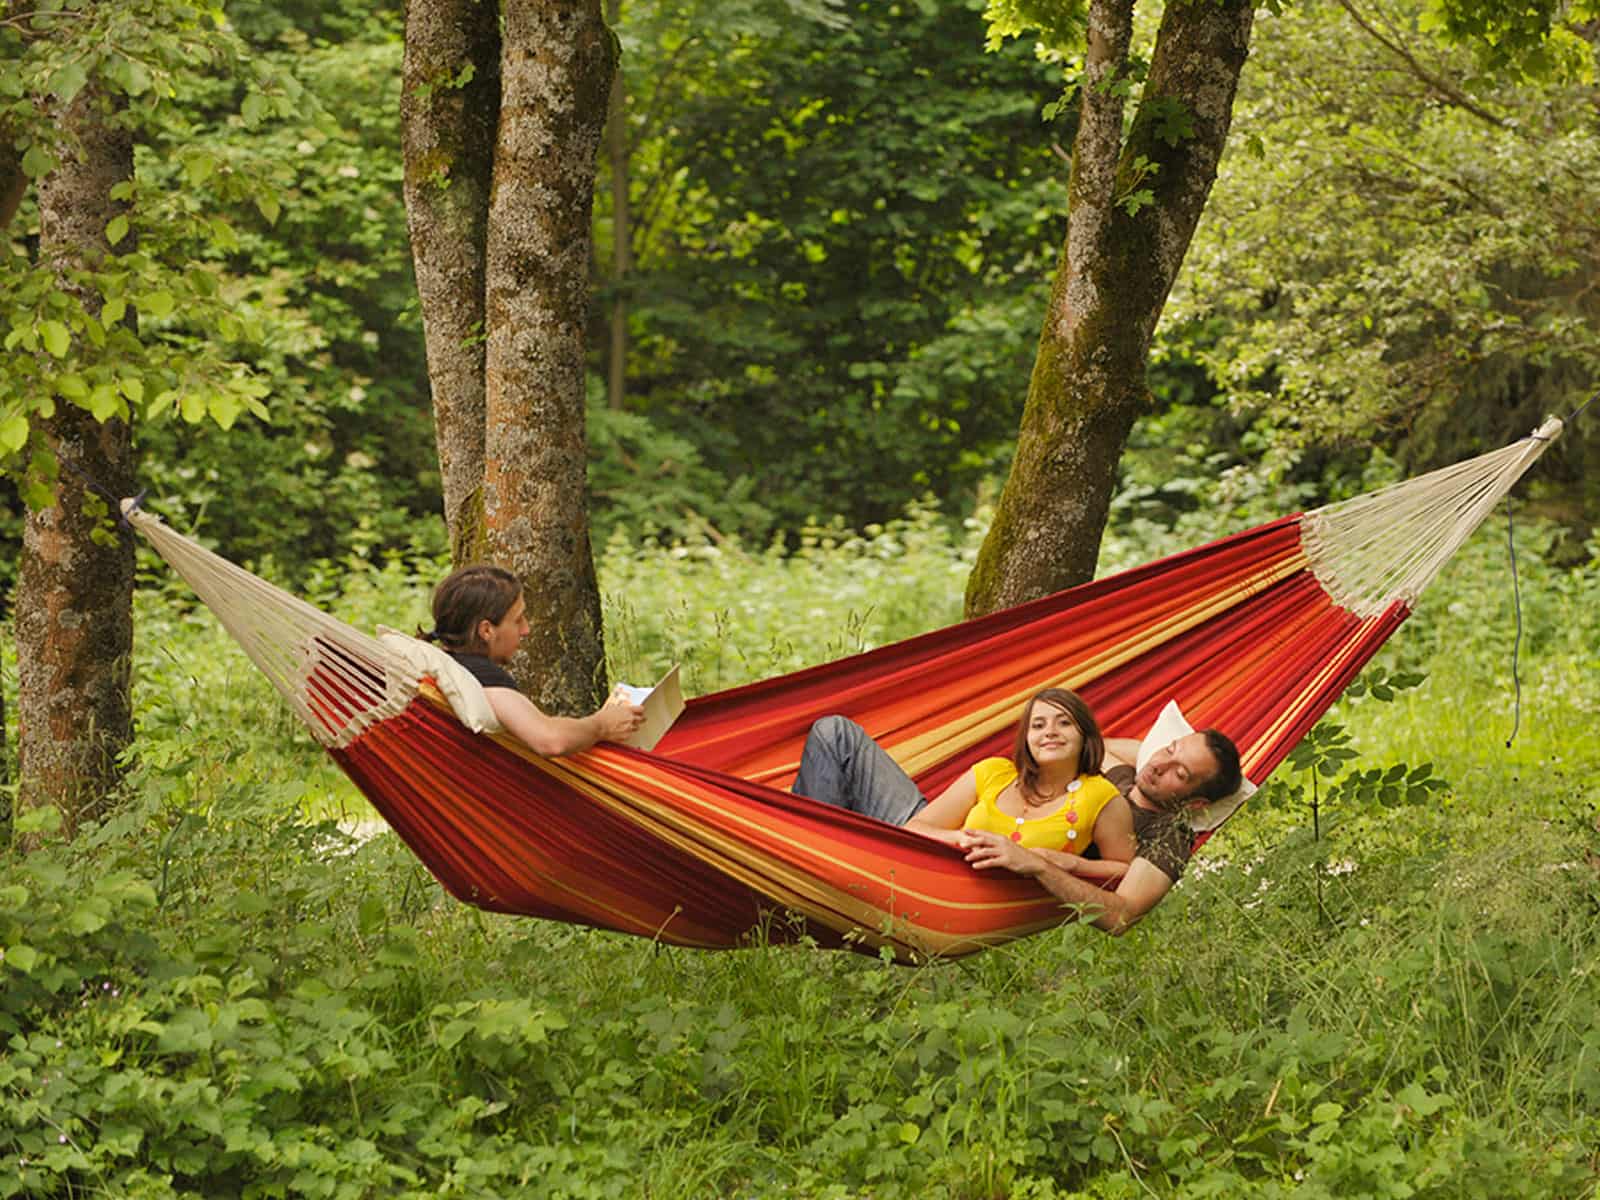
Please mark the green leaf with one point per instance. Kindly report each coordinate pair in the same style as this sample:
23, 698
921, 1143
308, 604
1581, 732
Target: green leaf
224, 408
192, 407
113, 312
55, 337
116, 229
270, 208
44, 819
68, 82
104, 403
13, 433
23, 958
253, 108
37, 162
72, 387
157, 304
133, 388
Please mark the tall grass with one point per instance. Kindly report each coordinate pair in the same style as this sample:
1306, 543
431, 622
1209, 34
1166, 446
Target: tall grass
221, 993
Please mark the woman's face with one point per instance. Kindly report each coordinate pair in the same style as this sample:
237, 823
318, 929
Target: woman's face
1053, 737
501, 640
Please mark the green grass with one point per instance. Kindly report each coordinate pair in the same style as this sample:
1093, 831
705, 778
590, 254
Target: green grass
218, 993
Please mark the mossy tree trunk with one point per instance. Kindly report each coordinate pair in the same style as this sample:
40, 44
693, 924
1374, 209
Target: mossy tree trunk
557, 68
505, 295
1133, 201
449, 109
74, 600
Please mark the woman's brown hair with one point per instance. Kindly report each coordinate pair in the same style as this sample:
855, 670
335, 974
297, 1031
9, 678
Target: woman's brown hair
466, 597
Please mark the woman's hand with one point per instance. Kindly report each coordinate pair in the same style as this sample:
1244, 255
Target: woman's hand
617, 718
987, 851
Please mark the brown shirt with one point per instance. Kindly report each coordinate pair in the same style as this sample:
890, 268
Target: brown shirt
1163, 838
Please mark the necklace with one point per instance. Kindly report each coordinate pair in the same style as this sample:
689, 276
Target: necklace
1071, 813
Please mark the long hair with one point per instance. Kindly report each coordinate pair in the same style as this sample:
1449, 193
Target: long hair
466, 597
1094, 743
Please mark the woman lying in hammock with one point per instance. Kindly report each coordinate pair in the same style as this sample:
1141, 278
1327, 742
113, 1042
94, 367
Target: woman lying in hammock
1048, 795
479, 619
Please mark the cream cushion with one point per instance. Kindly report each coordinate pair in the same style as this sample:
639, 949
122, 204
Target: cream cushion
464, 693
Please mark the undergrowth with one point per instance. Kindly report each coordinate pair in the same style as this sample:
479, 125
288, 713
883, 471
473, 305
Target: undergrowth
222, 992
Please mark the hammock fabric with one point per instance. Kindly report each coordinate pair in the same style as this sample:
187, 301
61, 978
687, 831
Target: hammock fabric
697, 843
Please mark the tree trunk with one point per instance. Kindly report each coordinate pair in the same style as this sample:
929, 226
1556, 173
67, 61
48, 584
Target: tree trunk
75, 591
1116, 271
449, 106
13, 184
621, 228
556, 70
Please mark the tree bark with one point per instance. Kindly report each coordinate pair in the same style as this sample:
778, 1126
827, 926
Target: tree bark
621, 228
556, 68
75, 590
1115, 274
449, 107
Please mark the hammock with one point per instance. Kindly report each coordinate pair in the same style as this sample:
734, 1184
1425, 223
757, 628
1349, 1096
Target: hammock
697, 844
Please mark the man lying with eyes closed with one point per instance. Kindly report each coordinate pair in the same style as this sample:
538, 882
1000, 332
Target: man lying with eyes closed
1187, 773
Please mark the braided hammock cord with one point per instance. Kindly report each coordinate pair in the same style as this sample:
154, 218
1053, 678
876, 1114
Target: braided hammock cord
338, 680
1388, 545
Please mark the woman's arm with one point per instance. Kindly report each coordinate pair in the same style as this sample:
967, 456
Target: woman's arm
552, 736
941, 819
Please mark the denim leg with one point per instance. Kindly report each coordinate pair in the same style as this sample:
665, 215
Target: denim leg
842, 766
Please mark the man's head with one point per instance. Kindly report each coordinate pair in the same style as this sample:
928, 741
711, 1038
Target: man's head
1196, 767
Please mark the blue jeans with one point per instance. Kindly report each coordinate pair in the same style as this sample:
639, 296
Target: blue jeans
842, 766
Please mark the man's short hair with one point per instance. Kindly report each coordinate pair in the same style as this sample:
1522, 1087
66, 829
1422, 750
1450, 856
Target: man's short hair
1228, 777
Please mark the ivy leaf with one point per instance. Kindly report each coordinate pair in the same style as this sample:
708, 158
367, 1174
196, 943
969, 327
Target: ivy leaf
55, 337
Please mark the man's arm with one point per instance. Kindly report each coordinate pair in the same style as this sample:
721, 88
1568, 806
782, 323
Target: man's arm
1141, 888
1121, 752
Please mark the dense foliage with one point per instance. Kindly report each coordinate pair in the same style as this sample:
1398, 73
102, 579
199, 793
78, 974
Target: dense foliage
1404, 244
223, 991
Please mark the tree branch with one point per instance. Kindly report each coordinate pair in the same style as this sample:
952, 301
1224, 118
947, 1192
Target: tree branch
1443, 87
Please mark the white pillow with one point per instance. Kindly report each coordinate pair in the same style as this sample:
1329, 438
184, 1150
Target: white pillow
1169, 727
460, 687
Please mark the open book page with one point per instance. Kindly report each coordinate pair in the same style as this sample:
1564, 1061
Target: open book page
662, 705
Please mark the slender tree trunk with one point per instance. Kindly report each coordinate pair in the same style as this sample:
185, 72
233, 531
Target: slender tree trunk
75, 591
621, 228
556, 69
449, 108
13, 184
1113, 280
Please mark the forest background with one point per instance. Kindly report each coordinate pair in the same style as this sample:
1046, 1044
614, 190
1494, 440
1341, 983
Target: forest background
823, 239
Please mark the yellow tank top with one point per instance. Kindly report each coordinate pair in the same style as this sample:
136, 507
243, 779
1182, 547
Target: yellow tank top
1070, 827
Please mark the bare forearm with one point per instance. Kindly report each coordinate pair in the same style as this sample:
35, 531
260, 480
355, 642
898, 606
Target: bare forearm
1104, 910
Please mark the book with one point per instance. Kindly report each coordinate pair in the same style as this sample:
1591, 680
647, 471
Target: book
662, 705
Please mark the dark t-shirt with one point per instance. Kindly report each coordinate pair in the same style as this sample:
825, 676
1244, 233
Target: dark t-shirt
1163, 838
485, 670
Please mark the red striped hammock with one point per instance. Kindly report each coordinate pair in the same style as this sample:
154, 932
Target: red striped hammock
697, 843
